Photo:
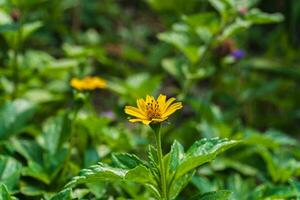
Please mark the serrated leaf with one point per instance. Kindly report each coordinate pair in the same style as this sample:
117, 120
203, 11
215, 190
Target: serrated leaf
152, 156
140, 174
126, 160
98, 172
201, 152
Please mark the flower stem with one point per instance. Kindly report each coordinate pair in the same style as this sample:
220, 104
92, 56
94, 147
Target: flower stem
162, 171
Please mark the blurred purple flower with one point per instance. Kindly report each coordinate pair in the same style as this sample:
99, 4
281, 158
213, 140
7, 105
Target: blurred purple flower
109, 114
238, 54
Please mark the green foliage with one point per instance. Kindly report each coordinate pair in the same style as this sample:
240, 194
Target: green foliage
181, 165
233, 64
221, 195
4, 194
14, 116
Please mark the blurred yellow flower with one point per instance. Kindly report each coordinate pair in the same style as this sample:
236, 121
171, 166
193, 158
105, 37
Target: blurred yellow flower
151, 110
88, 83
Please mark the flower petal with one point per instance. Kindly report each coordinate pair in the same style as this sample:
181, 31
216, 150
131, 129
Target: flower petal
144, 121
168, 103
147, 122
171, 109
148, 99
135, 120
160, 120
134, 112
161, 100
141, 105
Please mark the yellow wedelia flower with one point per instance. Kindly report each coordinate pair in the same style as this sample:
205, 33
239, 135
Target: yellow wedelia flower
151, 110
88, 83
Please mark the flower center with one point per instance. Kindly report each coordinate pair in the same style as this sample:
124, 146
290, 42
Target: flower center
152, 110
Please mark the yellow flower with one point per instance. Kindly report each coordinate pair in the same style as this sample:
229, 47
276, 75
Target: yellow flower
151, 110
88, 83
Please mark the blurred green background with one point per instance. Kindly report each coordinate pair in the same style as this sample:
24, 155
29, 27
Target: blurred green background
233, 63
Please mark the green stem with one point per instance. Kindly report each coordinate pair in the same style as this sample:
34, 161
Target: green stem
162, 171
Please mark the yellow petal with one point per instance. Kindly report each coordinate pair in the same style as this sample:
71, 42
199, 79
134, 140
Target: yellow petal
141, 105
160, 120
168, 103
134, 112
161, 101
171, 109
148, 99
144, 121
147, 122
140, 120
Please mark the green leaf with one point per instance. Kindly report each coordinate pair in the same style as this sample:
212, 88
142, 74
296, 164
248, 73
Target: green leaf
278, 192
140, 174
10, 171
29, 149
63, 195
205, 24
176, 154
25, 32
98, 188
4, 17
174, 67
178, 184
256, 16
182, 40
243, 168
56, 131
222, 6
30, 28
32, 190
216, 195
126, 160
14, 117
36, 171
8, 27
152, 156
98, 172
63, 64
237, 26
281, 166
201, 152
4, 194
272, 138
